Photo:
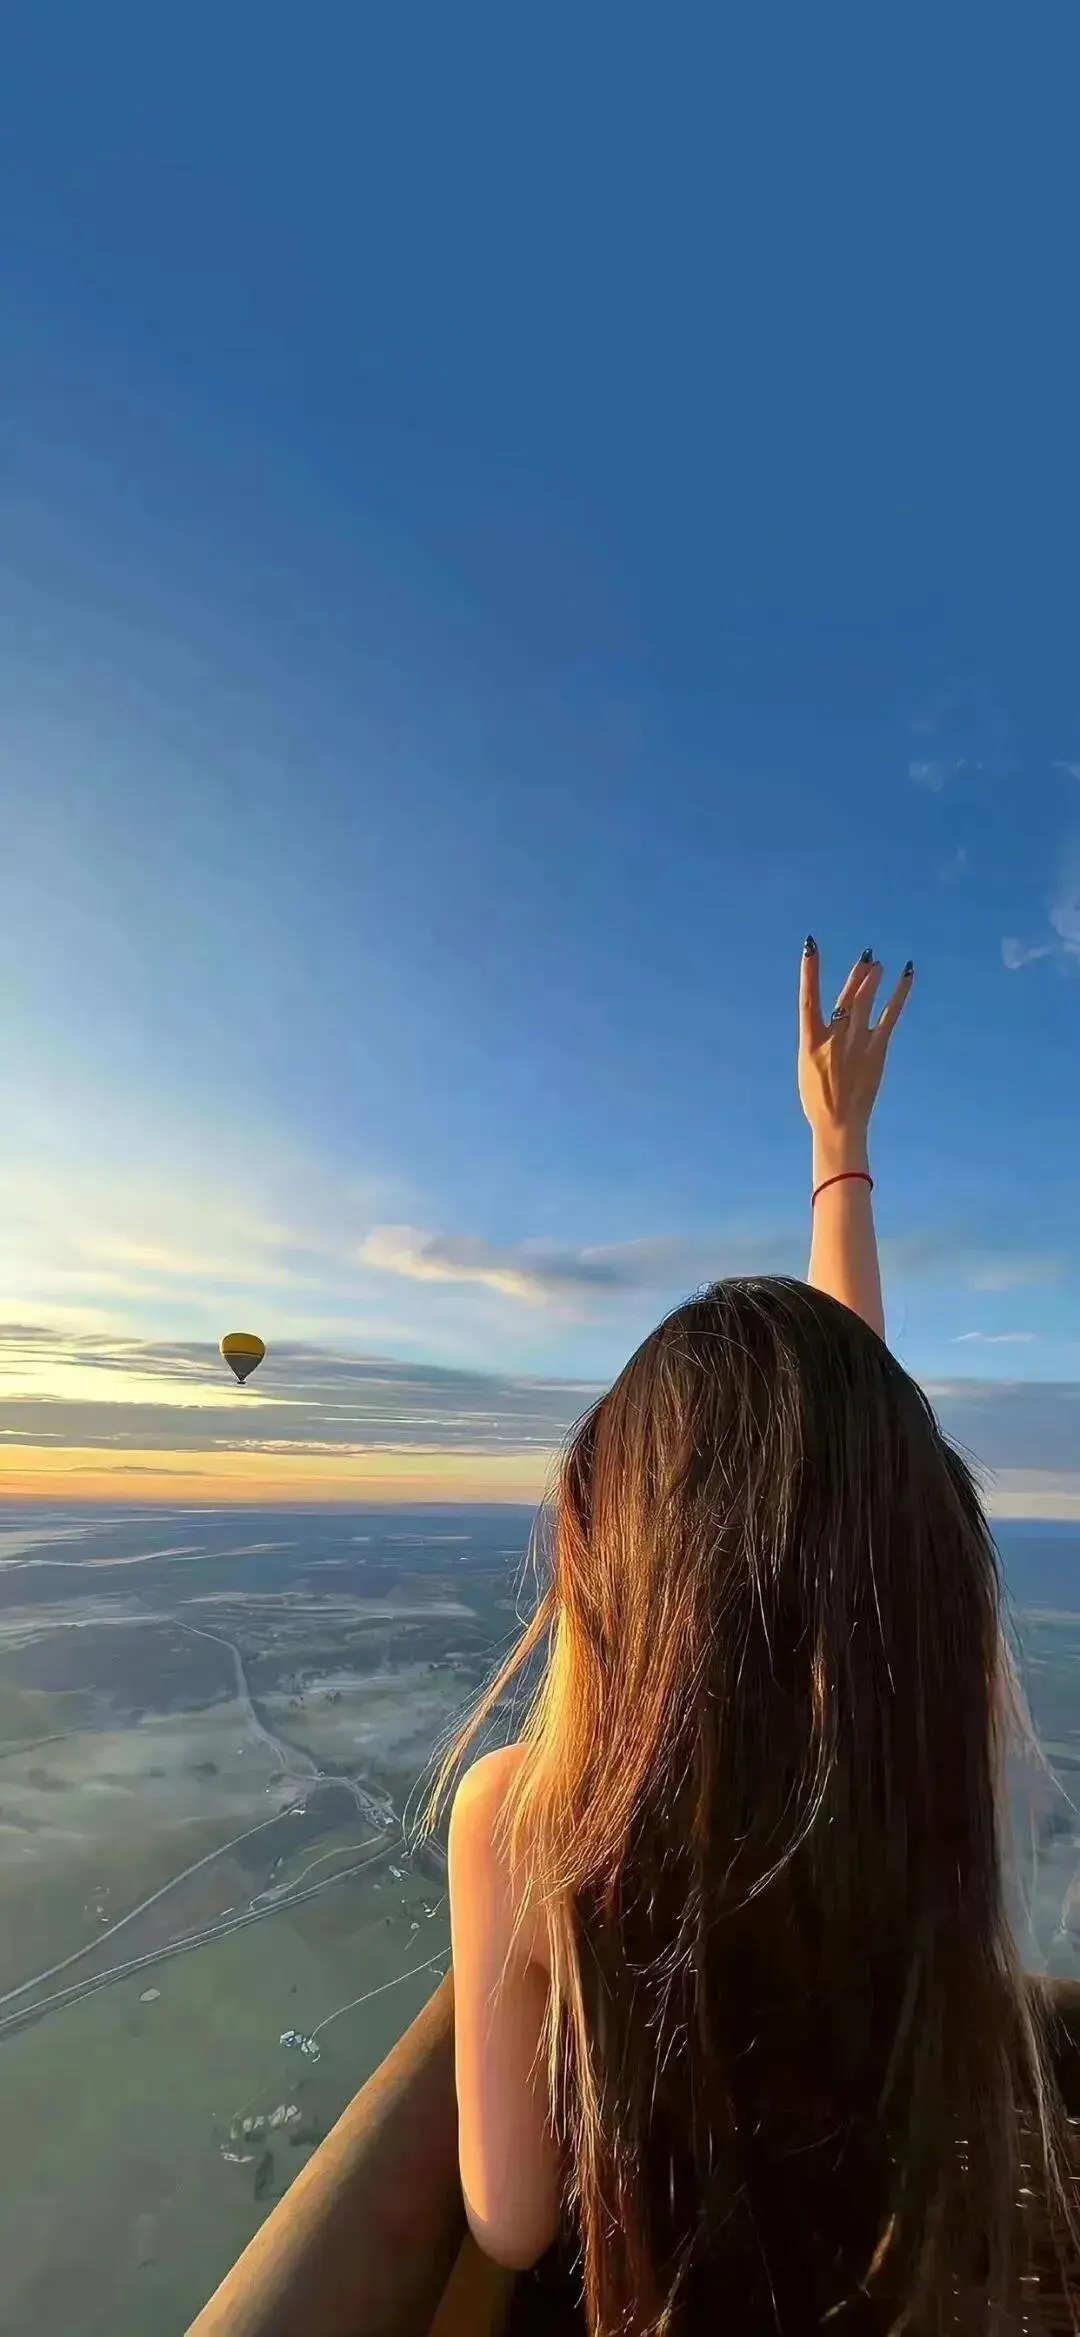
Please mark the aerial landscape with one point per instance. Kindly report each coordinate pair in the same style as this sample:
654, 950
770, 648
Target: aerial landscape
214, 1920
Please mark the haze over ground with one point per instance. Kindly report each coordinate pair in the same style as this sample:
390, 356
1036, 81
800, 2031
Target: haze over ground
507, 528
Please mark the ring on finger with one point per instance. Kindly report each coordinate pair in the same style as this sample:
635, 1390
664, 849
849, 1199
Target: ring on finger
839, 1014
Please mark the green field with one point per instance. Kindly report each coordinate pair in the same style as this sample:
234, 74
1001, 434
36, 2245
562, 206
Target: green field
119, 2213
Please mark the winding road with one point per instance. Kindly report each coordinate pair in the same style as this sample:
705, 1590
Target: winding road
298, 1766
295, 1764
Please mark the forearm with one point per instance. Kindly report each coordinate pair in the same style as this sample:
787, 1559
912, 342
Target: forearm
843, 1246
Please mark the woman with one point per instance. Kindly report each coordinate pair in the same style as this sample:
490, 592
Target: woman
736, 2001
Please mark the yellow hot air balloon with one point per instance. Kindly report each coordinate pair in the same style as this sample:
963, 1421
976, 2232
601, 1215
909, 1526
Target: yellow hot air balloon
243, 1351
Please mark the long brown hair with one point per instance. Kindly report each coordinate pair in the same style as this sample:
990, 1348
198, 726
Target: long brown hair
794, 2064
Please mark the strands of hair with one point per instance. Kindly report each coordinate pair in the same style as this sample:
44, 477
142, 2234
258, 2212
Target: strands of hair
795, 2066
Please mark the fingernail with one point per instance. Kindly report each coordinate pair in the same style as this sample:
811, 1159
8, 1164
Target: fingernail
909, 968
809, 947
867, 958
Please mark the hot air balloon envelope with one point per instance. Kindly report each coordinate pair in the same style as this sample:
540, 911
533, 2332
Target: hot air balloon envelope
243, 1351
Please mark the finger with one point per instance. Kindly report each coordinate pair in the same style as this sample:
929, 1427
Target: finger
865, 994
810, 1017
854, 981
894, 1007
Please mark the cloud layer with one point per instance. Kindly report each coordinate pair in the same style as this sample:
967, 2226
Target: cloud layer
313, 1400
307, 1399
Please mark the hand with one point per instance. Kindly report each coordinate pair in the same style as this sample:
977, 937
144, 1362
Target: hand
841, 1062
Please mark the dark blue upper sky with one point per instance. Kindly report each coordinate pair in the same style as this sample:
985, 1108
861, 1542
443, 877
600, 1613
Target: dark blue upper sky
506, 525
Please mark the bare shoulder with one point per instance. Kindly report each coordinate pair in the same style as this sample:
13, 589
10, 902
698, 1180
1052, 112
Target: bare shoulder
481, 1795
478, 1854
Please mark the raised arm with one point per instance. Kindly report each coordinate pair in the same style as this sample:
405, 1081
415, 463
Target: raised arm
840, 1068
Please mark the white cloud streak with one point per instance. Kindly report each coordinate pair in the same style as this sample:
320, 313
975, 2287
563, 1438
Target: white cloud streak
996, 1338
1065, 912
1014, 954
1064, 918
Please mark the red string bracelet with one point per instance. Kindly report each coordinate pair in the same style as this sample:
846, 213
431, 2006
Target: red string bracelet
839, 1180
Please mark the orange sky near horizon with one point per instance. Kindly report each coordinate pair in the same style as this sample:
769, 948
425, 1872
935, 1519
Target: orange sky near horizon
72, 1473
31, 1473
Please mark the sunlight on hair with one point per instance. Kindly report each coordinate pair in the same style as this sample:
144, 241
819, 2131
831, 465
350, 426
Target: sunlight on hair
776, 1761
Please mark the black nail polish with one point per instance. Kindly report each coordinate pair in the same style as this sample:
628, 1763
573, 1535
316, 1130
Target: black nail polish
809, 947
867, 958
909, 968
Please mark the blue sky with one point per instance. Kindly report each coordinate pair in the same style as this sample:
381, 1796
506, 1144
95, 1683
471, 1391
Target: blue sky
505, 527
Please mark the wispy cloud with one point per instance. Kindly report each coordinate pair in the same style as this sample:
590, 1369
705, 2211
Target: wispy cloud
961, 730
943, 1254
916, 1253
1012, 1270
76, 1238
666, 1265
995, 1338
542, 1275
1015, 954
1065, 908
1064, 918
